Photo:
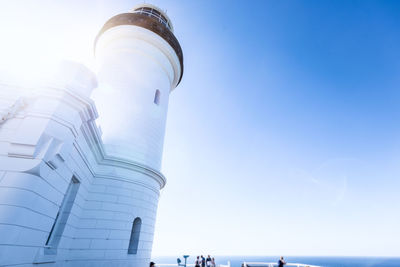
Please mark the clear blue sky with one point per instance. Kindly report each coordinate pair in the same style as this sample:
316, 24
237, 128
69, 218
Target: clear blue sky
284, 134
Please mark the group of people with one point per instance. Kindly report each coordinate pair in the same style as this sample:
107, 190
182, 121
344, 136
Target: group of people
203, 262
200, 262
210, 262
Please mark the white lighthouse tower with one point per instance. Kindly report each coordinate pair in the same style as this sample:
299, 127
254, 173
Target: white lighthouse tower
80, 167
139, 63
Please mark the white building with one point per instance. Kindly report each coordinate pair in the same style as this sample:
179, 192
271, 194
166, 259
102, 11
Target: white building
73, 193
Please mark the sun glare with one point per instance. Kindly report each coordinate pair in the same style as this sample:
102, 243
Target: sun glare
30, 51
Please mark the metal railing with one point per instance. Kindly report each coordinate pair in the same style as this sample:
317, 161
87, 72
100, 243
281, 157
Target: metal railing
273, 264
247, 264
192, 264
155, 14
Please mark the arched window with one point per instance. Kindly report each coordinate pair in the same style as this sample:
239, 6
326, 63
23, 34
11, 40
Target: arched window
157, 97
135, 233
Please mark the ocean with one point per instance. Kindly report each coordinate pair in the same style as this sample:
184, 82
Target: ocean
236, 261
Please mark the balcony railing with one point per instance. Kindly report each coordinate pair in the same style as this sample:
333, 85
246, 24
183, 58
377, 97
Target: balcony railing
274, 264
190, 264
155, 14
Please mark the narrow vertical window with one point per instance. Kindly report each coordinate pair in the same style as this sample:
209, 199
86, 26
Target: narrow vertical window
157, 97
61, 219
135, 233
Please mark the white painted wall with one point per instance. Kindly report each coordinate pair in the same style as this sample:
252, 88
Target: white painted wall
50, 137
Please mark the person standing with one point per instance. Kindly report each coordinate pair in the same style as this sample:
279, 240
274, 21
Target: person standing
197, 262
208, 261
203, 261
281, 262
212, 262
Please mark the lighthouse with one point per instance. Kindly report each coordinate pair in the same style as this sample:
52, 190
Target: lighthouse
80, 153
139, 63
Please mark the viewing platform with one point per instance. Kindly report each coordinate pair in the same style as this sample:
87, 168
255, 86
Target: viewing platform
191, 264
245, 264
273, 264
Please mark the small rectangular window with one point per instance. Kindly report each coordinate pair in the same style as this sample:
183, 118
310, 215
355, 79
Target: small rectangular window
157, 97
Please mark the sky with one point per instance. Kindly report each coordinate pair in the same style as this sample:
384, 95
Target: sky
283, 137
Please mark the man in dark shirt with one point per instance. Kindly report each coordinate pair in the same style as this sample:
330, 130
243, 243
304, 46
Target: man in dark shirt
281, 262
208, 261
203, 261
